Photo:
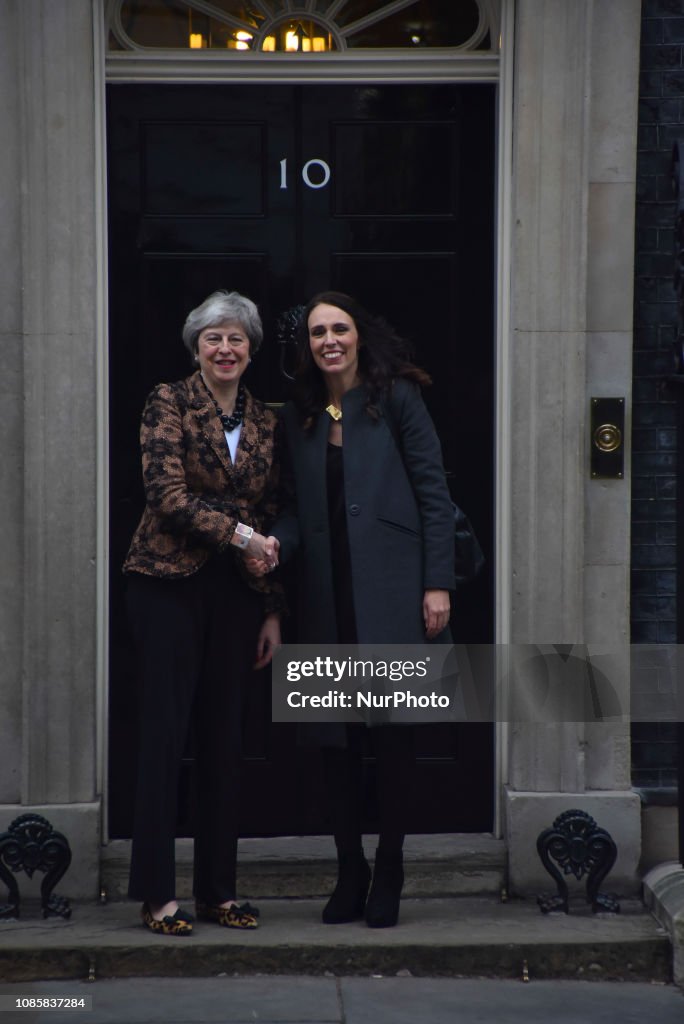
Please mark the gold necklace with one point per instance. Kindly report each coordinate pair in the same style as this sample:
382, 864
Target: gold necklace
333, 411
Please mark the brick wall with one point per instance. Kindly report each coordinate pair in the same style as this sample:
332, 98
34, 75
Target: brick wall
661, 120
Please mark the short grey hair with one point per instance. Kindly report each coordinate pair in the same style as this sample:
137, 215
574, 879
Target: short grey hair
224, 307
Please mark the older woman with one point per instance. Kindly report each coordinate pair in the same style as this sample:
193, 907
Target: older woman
373, 525
200, 621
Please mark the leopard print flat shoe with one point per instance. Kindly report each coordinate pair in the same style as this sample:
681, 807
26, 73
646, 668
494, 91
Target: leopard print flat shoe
240, 915
179, 923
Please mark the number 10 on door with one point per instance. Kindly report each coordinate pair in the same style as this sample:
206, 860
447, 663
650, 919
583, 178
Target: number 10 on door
322, 172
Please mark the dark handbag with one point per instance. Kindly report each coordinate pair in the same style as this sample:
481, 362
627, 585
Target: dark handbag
468, 555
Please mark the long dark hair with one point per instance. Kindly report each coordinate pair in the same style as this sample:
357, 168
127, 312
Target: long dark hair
383, 355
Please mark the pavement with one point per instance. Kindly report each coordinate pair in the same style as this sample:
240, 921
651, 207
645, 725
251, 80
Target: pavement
348, 1000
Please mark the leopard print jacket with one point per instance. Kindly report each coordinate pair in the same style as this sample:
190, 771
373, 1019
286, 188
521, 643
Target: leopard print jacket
195, 494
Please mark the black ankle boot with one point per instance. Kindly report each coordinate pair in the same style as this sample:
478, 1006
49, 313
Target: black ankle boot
349, 896
382, 908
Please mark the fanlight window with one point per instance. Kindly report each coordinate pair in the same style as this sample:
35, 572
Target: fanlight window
301, 26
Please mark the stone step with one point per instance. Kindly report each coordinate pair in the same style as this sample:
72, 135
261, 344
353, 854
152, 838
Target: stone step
465, 936
304, 866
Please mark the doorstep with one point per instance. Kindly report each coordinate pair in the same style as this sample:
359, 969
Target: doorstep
452, 864
466, 936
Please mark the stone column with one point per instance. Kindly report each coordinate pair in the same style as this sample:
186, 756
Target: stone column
48, 460
574, 142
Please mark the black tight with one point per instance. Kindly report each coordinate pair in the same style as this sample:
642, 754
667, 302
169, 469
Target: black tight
393, 747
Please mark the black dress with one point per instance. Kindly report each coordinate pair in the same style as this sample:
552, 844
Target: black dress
339, 547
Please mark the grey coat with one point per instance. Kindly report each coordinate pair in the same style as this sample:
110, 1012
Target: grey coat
399, 518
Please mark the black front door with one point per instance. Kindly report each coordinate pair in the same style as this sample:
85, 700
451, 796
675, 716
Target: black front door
385, 192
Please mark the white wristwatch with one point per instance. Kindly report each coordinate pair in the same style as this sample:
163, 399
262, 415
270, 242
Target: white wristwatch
242, 535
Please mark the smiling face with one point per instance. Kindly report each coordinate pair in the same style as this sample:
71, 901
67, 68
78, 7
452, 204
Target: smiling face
223, 354
334, 343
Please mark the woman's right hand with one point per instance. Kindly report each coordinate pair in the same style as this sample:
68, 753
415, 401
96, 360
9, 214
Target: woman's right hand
264, 549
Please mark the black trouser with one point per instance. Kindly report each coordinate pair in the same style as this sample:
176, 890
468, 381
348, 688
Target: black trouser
196, 643
393, 746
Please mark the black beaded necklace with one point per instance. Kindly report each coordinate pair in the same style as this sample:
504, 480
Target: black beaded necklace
235, 419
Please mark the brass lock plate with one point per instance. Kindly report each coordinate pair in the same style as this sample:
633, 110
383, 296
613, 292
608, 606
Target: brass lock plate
607, 439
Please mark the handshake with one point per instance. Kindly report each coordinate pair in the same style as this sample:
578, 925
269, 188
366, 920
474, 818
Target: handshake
261, 554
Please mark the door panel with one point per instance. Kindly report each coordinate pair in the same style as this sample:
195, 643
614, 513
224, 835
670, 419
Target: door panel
278, 192
376, 175
173, 153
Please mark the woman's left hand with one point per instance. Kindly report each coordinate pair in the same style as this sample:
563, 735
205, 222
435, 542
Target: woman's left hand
268, 640
436, 611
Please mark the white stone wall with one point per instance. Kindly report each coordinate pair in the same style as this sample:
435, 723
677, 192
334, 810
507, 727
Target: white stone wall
574, 142
11, 418
48, 459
